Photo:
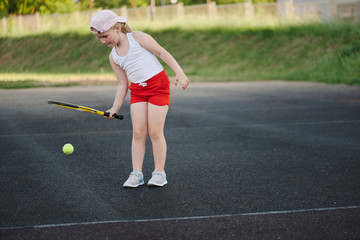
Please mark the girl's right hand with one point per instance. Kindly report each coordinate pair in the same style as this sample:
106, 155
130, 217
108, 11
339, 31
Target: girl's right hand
111, 112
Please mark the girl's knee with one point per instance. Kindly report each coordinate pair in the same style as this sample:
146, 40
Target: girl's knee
156, 134
139, 133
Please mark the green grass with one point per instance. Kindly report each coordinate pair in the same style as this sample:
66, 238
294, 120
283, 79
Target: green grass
34, 83
28, 80
328, 53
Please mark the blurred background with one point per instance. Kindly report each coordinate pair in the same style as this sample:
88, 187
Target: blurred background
48, 42
25, 16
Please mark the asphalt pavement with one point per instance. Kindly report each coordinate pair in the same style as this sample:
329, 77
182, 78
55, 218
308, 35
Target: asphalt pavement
257, 160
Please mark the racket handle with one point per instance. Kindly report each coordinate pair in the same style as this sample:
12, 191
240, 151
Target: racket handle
120, 117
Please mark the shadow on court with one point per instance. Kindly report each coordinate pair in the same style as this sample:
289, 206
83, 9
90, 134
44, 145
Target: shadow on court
259, 160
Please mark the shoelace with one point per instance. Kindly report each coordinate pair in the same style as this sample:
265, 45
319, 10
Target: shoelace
158, 174
134, 176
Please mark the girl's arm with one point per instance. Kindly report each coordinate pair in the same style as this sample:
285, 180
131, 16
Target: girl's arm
147, 42
122, 87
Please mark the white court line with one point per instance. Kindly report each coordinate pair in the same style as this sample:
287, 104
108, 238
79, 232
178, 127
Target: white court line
183, 218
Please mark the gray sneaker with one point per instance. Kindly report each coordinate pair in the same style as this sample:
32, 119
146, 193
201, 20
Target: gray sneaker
158, 179
135, 179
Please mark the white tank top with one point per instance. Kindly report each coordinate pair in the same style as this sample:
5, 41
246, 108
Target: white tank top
139, 64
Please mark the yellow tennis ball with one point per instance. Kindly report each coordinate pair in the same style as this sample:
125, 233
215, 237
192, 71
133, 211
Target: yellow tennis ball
68, 149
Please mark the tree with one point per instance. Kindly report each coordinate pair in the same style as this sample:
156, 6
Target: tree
17, 7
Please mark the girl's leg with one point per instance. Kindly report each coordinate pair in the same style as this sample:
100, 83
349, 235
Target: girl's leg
156, 121
139, 112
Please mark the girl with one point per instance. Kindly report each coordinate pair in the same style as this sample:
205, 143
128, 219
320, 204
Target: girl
133, 57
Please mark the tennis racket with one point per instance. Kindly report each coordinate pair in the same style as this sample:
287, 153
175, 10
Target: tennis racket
84, 109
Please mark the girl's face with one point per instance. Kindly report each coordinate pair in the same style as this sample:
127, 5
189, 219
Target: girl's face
110, 38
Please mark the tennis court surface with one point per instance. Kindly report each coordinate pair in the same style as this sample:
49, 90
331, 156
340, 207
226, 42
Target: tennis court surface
249, 160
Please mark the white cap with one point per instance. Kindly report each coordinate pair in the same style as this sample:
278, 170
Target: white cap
104, 20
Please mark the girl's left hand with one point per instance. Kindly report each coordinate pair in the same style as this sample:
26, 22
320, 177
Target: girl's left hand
184, 81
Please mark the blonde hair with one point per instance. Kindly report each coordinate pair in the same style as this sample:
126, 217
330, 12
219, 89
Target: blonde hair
125, 28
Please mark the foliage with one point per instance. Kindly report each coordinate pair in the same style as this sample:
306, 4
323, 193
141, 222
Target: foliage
22, 7
109, 4
11, 7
